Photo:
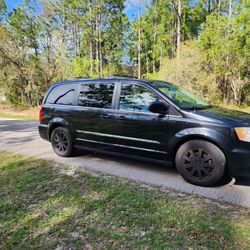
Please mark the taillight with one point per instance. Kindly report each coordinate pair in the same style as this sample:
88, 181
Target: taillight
40, 114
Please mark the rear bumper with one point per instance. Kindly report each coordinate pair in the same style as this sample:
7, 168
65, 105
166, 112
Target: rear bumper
43, 131
239, 161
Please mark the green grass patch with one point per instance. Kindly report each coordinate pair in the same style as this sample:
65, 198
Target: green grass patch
23, 117
42, 206
8, 111
243, 109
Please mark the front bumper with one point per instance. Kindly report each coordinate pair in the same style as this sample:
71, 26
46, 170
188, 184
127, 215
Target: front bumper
239, 160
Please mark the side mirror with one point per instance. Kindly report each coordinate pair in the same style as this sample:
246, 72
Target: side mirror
158, 107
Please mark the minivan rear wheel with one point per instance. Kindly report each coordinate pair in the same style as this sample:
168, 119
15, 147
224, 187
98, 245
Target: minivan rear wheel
200, 162
61, 142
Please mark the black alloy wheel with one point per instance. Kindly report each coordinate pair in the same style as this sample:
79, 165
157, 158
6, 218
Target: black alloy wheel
61, 142
200, 162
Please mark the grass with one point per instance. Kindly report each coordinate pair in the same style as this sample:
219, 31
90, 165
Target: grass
47, 206
8, 111
243, 109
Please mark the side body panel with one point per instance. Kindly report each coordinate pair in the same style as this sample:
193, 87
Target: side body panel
145, 135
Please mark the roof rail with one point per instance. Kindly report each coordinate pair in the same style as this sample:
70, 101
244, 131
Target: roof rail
124, 76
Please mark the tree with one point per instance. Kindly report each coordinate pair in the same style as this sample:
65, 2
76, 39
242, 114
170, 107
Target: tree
88, 38
139, 39
226, 51
3, 9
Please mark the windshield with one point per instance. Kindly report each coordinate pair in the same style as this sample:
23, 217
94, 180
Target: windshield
183, 98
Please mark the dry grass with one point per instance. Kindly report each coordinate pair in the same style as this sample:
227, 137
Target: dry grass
247, 109
8, 111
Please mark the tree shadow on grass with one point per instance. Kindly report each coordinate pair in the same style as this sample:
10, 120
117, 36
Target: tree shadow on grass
18, 125
143, 164
43, 208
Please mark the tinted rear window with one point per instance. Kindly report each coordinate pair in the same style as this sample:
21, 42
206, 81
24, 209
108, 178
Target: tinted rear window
96, 95
62, 94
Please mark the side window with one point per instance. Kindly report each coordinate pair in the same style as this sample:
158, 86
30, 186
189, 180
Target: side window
136, 98
96, 95
62, 94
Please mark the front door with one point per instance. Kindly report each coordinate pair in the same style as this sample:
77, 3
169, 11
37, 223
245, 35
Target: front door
137, 130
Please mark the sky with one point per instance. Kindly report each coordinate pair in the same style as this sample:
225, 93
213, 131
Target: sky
131, 9
11, 4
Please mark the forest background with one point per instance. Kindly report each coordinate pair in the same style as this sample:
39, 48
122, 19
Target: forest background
201, 45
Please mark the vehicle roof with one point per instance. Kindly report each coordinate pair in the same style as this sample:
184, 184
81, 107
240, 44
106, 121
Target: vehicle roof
105, 80
124, 79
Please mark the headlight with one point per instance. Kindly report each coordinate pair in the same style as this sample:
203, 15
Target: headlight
243, 134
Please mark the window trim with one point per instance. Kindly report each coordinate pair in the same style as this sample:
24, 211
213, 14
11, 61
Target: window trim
98, 82
116, 96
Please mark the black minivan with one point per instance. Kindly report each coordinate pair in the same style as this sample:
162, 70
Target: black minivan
150, 120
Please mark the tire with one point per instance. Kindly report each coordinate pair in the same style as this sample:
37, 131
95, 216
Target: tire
200, 162
61, 142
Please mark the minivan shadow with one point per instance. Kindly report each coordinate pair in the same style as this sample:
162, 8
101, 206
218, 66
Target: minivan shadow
155, 166
242, 181
128, 161
225, 180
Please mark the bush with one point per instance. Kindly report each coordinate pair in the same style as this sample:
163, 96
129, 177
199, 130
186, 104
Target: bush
246, 95
190, 73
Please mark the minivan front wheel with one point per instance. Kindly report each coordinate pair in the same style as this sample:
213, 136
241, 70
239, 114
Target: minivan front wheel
200, 162
61, 142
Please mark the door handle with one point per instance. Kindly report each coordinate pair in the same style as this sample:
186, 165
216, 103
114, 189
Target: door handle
105, 116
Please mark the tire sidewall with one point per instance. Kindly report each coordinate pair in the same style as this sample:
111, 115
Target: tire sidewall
217, 155
65, 131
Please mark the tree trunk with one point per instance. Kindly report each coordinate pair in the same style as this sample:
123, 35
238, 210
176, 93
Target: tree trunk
100, 46
91, 56
36, 51
154, 45
147, 65
178, 38
209, 6
178, 31
225, 90
97, 46
139, 39
161, 58
91, 40
63, 45
109, 64
173, 36
235, 93
219, 6
230, 9
236, 85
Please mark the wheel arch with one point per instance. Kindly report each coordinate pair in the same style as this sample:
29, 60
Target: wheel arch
215, 138
55, 123
195, 137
